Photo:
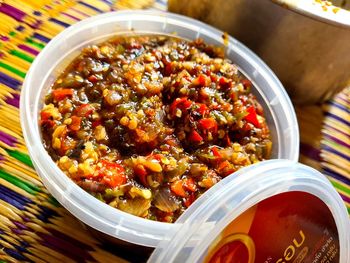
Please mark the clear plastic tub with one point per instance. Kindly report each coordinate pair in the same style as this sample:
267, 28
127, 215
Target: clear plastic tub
310, 204
64, 47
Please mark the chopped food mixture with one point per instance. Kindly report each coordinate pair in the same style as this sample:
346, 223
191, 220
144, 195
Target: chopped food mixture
147, 124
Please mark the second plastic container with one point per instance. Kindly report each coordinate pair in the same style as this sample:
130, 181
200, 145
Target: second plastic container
276, 211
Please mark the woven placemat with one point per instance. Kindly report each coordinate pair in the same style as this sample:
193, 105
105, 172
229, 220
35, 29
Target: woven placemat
325, 140
335, 144
33, 226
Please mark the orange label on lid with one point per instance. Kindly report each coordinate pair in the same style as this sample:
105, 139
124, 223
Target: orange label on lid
291, 227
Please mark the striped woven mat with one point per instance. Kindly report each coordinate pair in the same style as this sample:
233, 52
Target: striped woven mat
33, 226
325, 140
335, 144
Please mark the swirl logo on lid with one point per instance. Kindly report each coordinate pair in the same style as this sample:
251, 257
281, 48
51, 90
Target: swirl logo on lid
292, 227
237, 248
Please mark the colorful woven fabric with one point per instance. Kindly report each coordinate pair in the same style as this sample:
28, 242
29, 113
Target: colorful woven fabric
325, 140
335, 145
33, 226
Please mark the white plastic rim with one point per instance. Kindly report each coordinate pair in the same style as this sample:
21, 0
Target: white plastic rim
225, 201
312, 8
62, 49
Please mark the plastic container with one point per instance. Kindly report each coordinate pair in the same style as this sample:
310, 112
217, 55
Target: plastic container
64, 47
274, 211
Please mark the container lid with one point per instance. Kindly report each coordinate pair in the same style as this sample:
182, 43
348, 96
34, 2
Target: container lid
274, 211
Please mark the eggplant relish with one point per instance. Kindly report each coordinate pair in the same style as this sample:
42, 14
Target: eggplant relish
147, 124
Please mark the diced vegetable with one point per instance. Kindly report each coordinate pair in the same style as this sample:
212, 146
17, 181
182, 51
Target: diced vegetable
141, 172
189, 199
195, 137
96, 123
178, 188
198, 169
224, 82
93, 78
252, 117
137, 191
216, 152
136, 206
202, 109
201, 80
84, 110
208, 124
92, 186
246, 83
165, 201
75, 124
180, 103
189, 184
60, 94
153, 165
111, 174
45, 115
148, 123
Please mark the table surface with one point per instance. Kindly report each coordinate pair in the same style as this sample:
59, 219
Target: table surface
33, 226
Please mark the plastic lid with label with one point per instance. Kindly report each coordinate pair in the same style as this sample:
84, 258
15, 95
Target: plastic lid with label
274, 211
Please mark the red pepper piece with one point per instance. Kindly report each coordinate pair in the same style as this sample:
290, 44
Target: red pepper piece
47, 124
46, 120
216, 152
95, 123
111, 174
186, 104
60, 94
234, 95
201, 80
223, 165
203, 109
189, 200
252, 117
227, 140
177, 188
207, 72
141, 173
180, 103
45, 115
84, 110
165, 217
92, 78
247, 127
208, 124
224, 82
225, 168
76, 123
67, 144
195, 137
169, 68
189, 184
246, 83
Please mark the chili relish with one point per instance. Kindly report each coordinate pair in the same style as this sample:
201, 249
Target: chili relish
147, 124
